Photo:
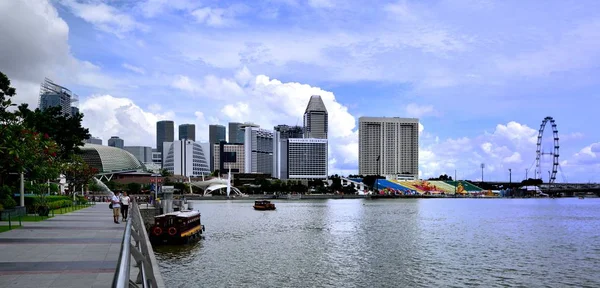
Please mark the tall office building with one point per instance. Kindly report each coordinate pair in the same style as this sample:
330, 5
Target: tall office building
186, 158
54, 95
388, 146
115, 141
216, 134
74, 110
142, 153
316, 119
94, 140
258, 151
229, 155
236, 133
300, 158
289, 131
165, 132
187, 132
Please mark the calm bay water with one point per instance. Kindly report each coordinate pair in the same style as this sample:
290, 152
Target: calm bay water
392, 243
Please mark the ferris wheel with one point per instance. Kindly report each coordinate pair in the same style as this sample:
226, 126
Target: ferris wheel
540, 152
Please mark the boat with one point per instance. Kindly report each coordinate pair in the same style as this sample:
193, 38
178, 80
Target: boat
263, 205
180, 227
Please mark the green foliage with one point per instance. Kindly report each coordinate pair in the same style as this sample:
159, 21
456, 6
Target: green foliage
59, 204
165, 173
443, 177
65, 130
22, 147
93, 186
8, 202
81, 199
77, 172
134, 188
33, 202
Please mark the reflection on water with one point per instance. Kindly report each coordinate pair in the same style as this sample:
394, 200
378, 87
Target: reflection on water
392, 243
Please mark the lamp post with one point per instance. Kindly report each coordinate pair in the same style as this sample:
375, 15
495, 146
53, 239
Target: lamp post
526, 173
455, 180
482, 166
377, 177
509, 177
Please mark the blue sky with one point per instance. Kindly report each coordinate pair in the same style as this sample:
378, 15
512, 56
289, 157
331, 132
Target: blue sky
480, 75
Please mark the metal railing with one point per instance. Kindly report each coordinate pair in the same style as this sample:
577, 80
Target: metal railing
136, 244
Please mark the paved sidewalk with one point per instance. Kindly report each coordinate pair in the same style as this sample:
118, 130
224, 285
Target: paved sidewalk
78, 249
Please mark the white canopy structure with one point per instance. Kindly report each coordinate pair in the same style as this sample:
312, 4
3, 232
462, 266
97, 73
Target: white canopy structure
214, 184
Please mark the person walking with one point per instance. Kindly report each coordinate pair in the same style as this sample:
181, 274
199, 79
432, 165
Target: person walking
116, 206
125, 200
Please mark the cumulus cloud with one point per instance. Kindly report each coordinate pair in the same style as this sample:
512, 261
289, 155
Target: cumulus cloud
509, 146
34, 44
108, 116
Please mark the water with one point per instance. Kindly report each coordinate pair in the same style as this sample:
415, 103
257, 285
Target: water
102, 185
392, 243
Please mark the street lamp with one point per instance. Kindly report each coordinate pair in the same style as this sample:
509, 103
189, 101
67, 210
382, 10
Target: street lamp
509, 177
482, 166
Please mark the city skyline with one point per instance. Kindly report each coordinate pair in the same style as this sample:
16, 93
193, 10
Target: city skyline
480, 83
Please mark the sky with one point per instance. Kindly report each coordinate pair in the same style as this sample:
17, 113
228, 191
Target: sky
480, 75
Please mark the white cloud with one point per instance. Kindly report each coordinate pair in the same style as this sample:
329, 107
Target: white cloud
218, 17
418, 111
104, 17
108, 116
265, 101
135, 69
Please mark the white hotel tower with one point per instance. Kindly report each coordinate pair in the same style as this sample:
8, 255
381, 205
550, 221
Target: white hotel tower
388, 146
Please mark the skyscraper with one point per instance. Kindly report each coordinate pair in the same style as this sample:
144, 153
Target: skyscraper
216, 134
186, 158
388, 146
316, 119
187, 131
115, 141
54, 95
287, 132
236, 133
165, 132
94, 140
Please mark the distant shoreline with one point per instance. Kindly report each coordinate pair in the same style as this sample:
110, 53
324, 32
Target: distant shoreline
326, 197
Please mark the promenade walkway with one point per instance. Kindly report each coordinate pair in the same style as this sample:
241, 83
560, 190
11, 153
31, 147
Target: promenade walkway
78, 249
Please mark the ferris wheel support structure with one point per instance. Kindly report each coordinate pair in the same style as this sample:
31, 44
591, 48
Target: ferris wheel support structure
555, 152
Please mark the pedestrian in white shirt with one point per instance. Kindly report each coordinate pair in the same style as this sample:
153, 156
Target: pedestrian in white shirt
116, 206
125, 200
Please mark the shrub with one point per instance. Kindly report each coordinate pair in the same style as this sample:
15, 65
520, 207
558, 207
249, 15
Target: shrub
59, 204
8, 202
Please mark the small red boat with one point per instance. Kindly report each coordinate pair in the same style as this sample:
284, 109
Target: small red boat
179, 227
263, 205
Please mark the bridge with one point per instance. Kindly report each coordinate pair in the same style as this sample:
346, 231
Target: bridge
568, 188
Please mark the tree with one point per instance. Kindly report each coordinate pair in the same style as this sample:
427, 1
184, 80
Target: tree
165, 173
21, 150
215, 173
77, 172
64, 129
134, 188
443, 177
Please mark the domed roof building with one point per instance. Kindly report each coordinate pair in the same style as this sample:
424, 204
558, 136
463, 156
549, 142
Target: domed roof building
110, 159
